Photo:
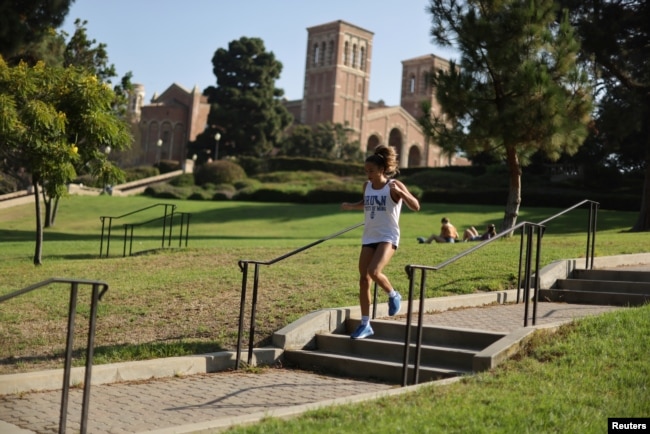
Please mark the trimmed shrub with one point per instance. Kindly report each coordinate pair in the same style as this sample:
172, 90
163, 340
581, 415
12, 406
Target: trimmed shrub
140, 172
219, 172
247, 183
7, 185
270, 195
166, 166
252, 165
298, 176
437, 179
340, 168
335, 193
184, 180
164, 190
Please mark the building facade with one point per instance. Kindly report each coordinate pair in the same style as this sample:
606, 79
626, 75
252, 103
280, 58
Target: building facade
336, 89
169, 122
336, 86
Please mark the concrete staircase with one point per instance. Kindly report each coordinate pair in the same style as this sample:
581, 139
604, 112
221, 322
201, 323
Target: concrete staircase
603, 287
446, 352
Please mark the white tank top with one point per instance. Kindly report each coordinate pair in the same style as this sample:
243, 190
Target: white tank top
381, 216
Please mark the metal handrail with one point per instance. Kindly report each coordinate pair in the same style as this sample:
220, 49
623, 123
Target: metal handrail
110, 224
97, 295
525, 257
243, 266
410, 271
131, 226
591, 231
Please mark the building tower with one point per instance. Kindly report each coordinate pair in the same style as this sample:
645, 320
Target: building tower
416, 85
337, 76
136, 101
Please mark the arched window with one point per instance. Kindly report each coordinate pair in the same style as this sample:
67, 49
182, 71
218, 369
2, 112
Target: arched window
346, 53
330, 53
354, 55
412, 84
362, 59
315, 60
424, 83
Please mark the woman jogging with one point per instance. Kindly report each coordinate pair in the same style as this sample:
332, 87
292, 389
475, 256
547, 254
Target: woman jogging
382, 203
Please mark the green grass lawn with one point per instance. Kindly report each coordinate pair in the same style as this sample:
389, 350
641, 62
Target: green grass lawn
186, 300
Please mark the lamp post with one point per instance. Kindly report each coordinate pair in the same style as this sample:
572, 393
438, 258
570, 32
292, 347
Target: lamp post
159, 144
217, 137
107, 188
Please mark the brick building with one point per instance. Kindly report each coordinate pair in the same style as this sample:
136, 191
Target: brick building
337, 80
169, 122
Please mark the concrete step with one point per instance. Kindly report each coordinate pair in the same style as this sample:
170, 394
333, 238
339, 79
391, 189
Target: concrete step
453, 337
611, 286
593, 297
362, 367
393, 351
616, 275
445, 352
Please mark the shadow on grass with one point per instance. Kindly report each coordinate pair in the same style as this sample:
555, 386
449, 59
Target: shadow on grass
122, 353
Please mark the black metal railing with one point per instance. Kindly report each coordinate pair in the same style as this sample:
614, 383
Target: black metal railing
98, 290
528, 229
591, 228
167, 220
244, 266
183, 233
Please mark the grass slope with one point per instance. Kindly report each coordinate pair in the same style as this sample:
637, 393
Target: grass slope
174, 301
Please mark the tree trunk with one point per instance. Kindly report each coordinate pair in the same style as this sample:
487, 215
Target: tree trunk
51, 207
38, 250
643, 221
514, 190
48, 210
55, 209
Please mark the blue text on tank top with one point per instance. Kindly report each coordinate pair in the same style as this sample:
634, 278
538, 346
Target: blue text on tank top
375, 203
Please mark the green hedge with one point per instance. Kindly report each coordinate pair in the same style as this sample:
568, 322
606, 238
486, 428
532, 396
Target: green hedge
305, 164
535, 198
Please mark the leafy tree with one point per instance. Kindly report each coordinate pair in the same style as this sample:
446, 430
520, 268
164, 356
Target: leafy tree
41, 108
325, 140
615, 37
517, 89
89, 56
27, 21
245, 105
92, 57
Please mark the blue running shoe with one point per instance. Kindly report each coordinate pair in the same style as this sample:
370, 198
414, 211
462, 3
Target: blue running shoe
363, 331
394, 304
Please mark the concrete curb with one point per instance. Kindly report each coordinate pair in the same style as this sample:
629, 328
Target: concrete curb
131, 371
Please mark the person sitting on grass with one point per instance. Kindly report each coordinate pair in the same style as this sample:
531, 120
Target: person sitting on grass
472, 234
448, 234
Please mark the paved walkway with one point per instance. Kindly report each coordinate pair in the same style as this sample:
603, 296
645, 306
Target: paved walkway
212, 402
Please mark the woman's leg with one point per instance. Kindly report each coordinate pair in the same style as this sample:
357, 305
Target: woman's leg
371, 266
380, 259
364, 279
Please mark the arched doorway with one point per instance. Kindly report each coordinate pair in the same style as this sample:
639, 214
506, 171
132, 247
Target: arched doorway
414, 157
373, 142
395, 140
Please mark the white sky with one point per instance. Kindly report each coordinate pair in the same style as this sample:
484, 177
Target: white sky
163, 41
